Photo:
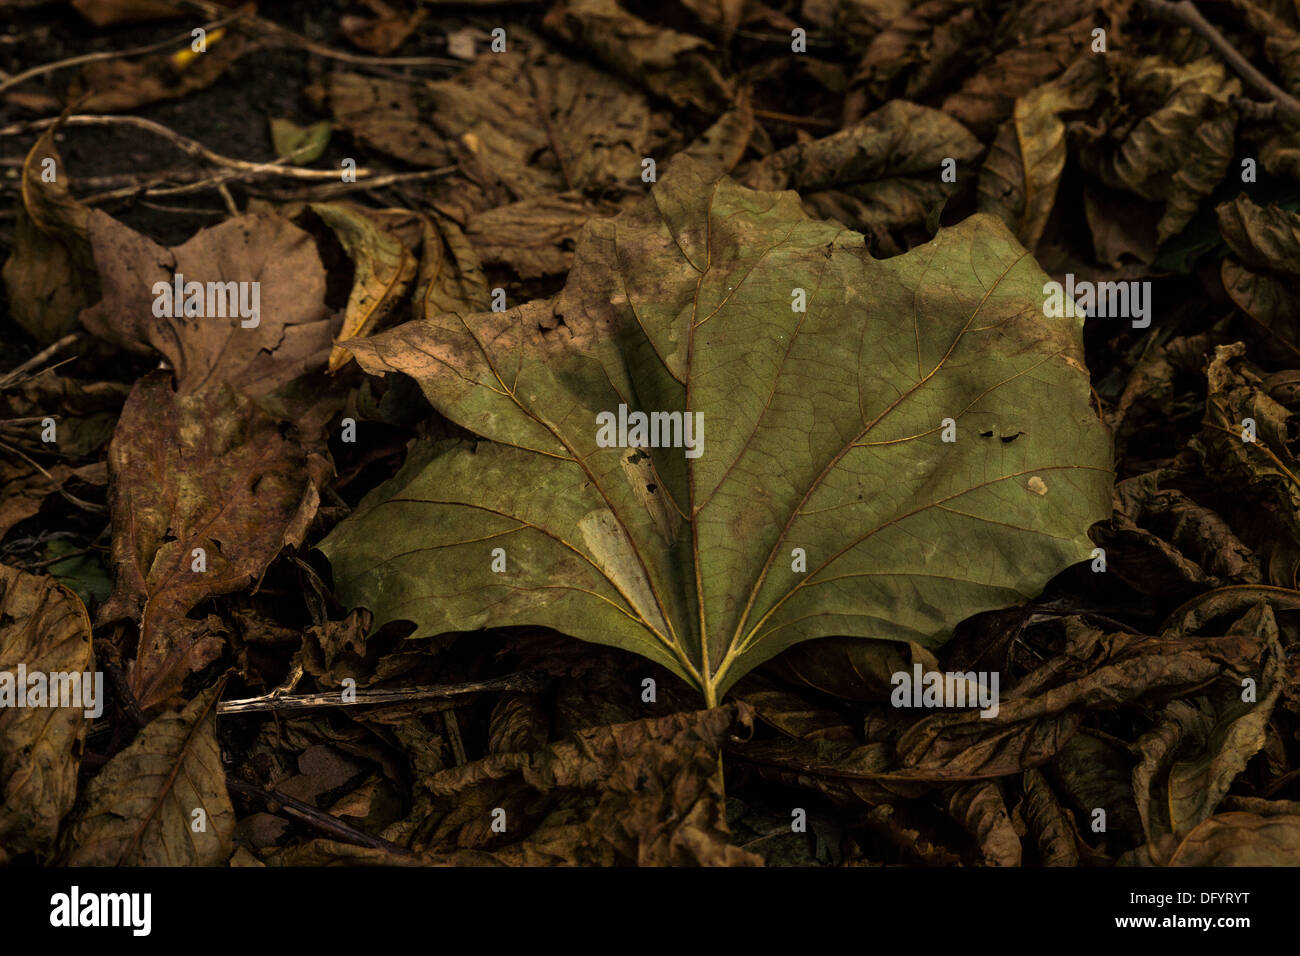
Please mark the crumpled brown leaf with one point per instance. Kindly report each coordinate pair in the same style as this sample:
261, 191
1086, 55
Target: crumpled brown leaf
1169, 137
534, 237
1037, 716
211, 471
1090, 772
1023, 168
50, 276
1191, 757
383, 33
295, 330
84, 411
1262, 470
1048, 822
44, 627
1035, 720
117, 85
1264, 277
140, 808
880, 173
1035, 41
647, 792
672, 66
980, 810
526, 123
1161, 541
917, 53
1241, 839
24, 488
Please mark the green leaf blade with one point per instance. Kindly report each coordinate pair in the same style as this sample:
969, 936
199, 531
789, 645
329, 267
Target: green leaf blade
822, 430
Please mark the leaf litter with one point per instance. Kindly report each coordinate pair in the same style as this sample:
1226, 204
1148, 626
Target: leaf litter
584, 444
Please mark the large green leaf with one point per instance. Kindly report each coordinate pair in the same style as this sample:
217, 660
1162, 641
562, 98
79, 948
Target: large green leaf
822, 431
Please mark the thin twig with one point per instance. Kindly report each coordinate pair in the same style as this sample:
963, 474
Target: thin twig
333, 189
320, 49
58, 485
191, 147
105, 55
228, 199
60, 559
276, 801
794, 120
277, 701
1184, 13
46, 353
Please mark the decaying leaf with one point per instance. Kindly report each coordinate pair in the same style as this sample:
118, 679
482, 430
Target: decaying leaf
918, 51
1180, 144
647, 792
1163, 542
524, 123
1048, 822
676, 67
982, 813
205, 492
50, 275
1024, 165
884, 171
1264, 277
117, 85
1241, 839
141, 808
1190, 758
384, 268
1247, 437
1036, 40
44, 631
685, 556
386, 31
534, 237
258, 292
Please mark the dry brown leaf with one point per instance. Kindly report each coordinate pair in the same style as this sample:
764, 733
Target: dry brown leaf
1241, 839
50, 275
647, 792
1169, 138
115, 86
1264, 277
162, 801
43, 628
672, 66
880, 173
1023, 168
982, 813
1035, 40
1048, 822
526, 123
294, 330
210, 471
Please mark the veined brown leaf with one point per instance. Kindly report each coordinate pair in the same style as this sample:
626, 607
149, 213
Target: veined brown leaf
142, 807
